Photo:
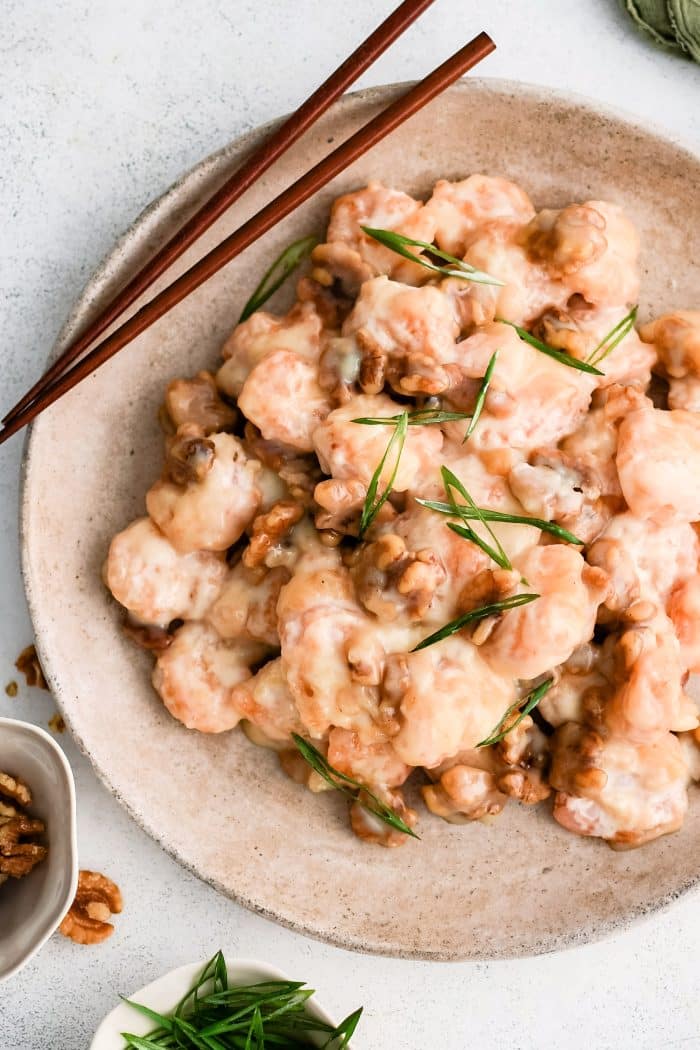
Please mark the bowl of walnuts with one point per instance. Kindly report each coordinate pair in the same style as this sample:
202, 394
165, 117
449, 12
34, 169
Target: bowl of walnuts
38, 850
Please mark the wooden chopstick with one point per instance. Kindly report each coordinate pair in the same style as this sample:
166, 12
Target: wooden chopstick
372, 132
249, 171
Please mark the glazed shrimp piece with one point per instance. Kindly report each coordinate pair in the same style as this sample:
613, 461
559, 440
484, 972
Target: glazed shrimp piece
460, 209
406, 336
684, 610
352, 256
267, 704
155, 582
644, 560
332, 654
499, 249
676, 339
532, 401
658, 462
627, 793
417, 567
246, 606
282, 397
196, 675
446, 699
649, 697
298, 332
352, 450
532, 639
580, 329
375, 765
592, 248
210, 514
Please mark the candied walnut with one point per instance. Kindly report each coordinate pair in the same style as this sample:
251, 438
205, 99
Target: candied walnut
189, 455
372, 364
328, 301
299, 472
147, 635
338, 262
391, 580
18, 853
16, 789
198, 401
525, 751
486, 587
97, 899
464, 793
269, 530
566, 241
27, 663
11, 689
560, 328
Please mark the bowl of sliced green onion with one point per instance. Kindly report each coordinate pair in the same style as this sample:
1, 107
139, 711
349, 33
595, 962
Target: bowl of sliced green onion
238, 1005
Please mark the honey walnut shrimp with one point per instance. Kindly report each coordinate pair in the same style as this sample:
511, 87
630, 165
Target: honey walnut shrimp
250, 578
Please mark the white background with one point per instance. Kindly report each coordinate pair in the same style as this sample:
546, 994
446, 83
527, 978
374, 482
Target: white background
102, 106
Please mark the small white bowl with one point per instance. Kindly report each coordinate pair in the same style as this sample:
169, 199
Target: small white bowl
165, 993
32, 908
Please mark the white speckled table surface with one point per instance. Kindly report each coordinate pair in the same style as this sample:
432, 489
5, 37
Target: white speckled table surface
101, 107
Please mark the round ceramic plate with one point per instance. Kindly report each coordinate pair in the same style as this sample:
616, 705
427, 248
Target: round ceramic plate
218, 804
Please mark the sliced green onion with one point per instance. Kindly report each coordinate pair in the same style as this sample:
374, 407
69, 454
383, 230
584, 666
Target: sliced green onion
396, 242
484, 611
481, 396
451, 481
558, 355
372, 504
282, 267
421, 417
530, 703
498, 515
352, 788
216, 1016
615, 336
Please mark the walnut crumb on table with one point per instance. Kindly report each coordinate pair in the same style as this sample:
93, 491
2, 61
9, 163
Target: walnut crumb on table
27, 663
11, 689
96, 900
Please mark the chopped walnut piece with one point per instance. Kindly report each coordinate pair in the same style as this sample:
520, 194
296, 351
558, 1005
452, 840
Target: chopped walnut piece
189, 455
27, 663
268, 532
566, 241
342, 264
17, 855
392, 580
197, 400
11, 689
299, 472
57, 724
330, 304
147, 636
15, 789
96, 899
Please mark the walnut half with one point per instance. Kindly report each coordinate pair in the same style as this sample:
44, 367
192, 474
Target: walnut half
96, 900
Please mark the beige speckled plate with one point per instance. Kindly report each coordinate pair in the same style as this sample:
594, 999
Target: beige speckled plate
218, 804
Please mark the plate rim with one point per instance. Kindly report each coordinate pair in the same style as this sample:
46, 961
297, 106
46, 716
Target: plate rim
151, 216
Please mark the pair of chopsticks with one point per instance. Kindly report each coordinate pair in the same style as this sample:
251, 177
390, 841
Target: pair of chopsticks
63, 375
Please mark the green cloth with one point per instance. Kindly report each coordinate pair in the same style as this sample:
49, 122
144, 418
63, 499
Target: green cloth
672, 23
685, 18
